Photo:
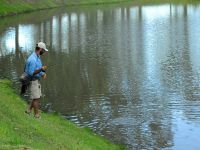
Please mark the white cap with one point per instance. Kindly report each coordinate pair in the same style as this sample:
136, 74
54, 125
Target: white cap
42, 45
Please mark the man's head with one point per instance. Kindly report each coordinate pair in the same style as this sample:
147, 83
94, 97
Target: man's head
40, 48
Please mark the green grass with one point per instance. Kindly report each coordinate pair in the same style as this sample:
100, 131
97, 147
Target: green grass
20, 131
12, 7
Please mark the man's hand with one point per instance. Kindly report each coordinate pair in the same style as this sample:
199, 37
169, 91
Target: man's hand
44, 68
44, 76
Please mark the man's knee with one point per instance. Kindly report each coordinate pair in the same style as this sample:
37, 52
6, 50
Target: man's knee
36, 101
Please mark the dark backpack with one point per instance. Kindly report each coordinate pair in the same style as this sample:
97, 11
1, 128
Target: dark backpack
25, 80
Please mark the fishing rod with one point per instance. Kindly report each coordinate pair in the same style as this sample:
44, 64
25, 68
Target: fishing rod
49, 67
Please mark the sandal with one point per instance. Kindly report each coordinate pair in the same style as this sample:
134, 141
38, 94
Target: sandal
37, 116
28, 112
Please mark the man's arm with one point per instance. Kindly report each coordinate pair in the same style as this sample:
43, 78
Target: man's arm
41, 70
32, 71
37, 71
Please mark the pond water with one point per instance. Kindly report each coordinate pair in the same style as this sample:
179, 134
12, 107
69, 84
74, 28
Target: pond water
130, 73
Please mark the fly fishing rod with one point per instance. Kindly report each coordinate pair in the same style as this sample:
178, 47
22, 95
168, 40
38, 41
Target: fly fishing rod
49, 67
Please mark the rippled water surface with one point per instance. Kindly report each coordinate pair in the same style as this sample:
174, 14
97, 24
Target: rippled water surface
130, 73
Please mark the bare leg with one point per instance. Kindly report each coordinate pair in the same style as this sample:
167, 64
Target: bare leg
36, 107
31, 106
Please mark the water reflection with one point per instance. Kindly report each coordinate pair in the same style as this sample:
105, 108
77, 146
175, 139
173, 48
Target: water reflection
127, 72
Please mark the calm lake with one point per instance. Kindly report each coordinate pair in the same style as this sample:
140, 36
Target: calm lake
130, 73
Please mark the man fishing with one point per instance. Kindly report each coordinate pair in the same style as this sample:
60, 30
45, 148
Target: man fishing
35, 70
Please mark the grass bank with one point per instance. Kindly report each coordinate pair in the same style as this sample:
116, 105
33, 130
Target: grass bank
11, 7
21, 131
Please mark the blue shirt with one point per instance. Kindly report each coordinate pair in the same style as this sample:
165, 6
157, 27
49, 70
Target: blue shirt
33, 63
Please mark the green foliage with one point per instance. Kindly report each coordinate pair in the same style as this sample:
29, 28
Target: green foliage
21, 131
